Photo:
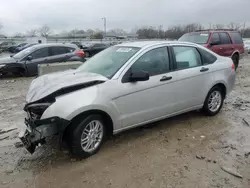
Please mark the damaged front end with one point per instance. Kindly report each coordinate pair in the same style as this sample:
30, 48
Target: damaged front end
38, 129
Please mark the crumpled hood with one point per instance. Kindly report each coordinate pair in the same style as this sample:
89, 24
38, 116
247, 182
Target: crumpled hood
46, 85
6, 60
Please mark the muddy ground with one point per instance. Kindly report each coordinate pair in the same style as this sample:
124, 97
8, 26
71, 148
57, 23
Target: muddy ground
188, 151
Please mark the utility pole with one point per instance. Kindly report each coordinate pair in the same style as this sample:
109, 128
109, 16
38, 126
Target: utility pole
105, 26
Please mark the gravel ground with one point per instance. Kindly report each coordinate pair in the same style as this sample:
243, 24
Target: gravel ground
190, 150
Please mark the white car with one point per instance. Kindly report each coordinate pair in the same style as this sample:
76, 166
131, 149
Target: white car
122, 87
247, 46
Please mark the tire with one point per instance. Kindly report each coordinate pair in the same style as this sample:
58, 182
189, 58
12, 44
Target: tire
210, 109
236, 59
81, 131
87, 54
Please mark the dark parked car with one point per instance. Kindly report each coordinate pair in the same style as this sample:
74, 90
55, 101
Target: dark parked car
78, 44
5, 45
13, 48
224, 42
93, 48
20, 48
26, 61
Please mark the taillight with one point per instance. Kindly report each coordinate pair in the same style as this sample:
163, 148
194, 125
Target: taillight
80, 53
233, 66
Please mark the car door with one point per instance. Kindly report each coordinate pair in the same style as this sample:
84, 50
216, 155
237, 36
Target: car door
32, 60
144, 101
221, 44
57, 54
226, 44
193, 77
215, 44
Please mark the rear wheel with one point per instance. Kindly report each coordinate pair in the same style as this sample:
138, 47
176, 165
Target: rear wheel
86, 54
214, 101
87, 136
236, 59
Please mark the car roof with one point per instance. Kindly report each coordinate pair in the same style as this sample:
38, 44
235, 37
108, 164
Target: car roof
215, 31
146, 44
55, 44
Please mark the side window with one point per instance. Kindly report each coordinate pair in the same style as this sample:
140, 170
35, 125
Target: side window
215, 38
41, 53
225, 39
186, 57
57, 50
99, 45
207, 57
237, 38
69, 50
154, 62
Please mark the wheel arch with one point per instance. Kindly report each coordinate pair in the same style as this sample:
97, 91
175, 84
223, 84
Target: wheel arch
222, 86
106, 118
235, 52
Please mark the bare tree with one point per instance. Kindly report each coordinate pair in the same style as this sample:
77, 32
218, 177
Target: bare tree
97, 35
218, 26
75, 32
18, 35
44, 31
234, 26
32, 33
118, 31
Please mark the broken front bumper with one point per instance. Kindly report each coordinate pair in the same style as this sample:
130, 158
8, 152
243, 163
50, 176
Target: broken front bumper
38, 130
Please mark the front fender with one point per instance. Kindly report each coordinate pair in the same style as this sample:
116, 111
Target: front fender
72, 104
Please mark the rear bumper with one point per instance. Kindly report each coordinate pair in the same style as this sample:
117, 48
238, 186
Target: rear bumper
231, 81
37, 131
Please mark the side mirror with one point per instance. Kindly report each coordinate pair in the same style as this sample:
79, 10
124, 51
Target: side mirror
139, 76
29, 58
214, 43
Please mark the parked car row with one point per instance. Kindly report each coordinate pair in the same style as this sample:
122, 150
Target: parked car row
226, 43
247, 46
122, 87
26, 61
91, 49
4, 46
12, 47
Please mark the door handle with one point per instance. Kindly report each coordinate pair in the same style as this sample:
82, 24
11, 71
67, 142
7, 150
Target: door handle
221, 48
165, 78
203, 69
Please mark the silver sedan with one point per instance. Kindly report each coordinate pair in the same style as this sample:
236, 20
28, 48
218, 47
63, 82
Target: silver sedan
122, 87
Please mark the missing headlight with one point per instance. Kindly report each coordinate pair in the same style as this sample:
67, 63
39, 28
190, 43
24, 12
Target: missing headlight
37, 110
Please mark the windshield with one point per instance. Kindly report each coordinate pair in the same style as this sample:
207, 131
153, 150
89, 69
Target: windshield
109, 61
199, 38
24, 52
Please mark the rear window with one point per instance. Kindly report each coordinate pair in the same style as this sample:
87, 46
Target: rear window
207, 57
69, 50
237, 38
198, 37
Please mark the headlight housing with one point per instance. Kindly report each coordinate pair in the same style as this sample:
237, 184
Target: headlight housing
1, 66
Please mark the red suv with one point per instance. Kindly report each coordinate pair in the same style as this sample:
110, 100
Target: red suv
223, 42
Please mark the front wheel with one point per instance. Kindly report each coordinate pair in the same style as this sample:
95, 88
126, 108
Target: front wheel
87, 136
214, 101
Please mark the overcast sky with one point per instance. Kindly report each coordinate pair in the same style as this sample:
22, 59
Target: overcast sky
23, 15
